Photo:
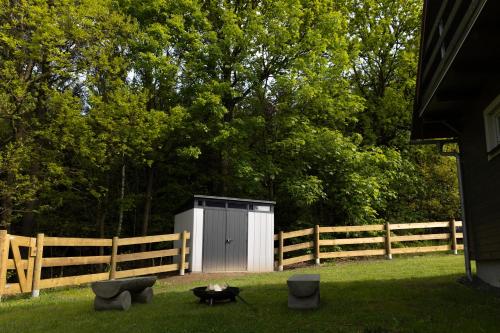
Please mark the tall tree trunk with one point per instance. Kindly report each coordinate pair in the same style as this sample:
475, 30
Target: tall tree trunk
7, 205
6, 212
101, 218
147, 205
270, 189
224, 172
100, 221
28, 222
122, 195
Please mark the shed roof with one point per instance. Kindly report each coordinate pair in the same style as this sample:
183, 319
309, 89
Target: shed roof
210, 197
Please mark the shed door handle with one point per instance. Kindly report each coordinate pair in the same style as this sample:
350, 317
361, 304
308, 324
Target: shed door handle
228, 241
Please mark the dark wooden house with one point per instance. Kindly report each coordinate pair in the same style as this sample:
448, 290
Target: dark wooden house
458, 98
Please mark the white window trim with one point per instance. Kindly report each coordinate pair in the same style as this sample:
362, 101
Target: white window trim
492, 125
261, 208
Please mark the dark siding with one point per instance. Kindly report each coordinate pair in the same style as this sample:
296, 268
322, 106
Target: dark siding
481, 183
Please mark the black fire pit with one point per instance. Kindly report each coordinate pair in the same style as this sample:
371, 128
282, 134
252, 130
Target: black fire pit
212, 296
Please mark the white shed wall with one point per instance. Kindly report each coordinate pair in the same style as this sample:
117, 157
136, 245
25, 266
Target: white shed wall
192, 221
197, 240
260, 242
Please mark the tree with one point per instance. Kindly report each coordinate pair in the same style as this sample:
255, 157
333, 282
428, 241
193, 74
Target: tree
261, 81
38, 74
385, 35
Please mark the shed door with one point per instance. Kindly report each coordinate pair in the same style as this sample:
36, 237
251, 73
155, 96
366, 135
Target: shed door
225, 234
236, 240
214, 238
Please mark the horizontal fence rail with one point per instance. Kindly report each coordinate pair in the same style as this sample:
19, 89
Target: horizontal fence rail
24, 257
326, 245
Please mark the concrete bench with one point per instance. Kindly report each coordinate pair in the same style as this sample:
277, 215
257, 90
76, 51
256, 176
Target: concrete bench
119, 294
303, 291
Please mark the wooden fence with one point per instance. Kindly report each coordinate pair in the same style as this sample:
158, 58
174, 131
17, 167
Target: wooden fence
24, 257
320, 241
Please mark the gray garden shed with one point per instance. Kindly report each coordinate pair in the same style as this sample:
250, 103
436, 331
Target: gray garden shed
228, 234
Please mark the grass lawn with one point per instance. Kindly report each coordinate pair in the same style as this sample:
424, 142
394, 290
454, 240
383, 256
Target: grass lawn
407, 294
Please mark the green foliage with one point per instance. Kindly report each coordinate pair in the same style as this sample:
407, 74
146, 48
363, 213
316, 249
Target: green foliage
385, 35
304, 102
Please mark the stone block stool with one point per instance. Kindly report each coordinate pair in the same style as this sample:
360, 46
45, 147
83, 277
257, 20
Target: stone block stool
303, 291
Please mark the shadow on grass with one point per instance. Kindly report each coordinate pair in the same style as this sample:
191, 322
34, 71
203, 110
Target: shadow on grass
431, 304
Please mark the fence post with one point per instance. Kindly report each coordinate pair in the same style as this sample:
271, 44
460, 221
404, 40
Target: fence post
4, 257
280, 251
453, 236
316, 244
182, 263
114, 253
388, 240
37, 271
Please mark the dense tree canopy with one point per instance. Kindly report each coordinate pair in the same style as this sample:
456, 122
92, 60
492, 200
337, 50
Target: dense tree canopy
113, 113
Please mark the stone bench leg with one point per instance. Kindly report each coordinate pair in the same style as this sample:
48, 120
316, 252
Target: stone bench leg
145, 296
120, 302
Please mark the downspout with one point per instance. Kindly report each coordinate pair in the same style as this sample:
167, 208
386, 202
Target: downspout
468, 270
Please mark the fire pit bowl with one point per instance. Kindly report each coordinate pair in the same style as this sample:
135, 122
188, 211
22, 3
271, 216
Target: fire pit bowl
211, 296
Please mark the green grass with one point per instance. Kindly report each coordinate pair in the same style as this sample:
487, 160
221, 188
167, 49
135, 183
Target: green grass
407, 294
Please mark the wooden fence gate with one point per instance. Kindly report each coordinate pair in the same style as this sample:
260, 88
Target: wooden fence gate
23, 251
23, 267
